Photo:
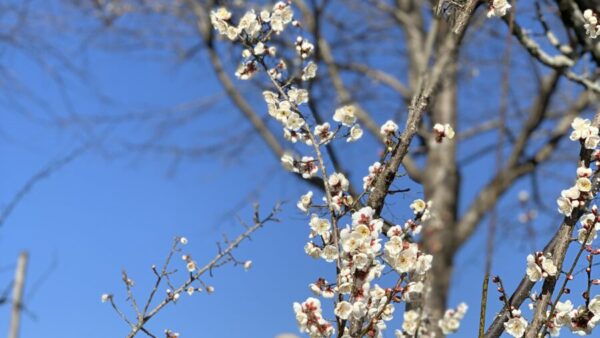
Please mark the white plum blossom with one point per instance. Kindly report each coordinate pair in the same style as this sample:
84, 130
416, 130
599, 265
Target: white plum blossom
423, 264
105, 297
308, 167
498, 8
418, 206
249, 24
338, 183
247, 265
345, 281
191, 266
590, 226
355, 133
343, 309
291, 135
316, 289
330, 253
259, 49
594, 307
407, 259
281, 16
304, 48
452, 317
323, 131
414, 291
548, 266
592, 28
345, 115
309, 71
305, 202
319, 226
422, 208
297, 95
411, 322
583, 171
246, 70
442, 131
581, 321
584, 184
369, 180
288, 162
540, 266
561, 317
568, 200
361, 260
363, 216
534, 271
340, 200
312, 250
582, 234
388, 312
219, 18
389, 128
294, 122
584, 131
516, 325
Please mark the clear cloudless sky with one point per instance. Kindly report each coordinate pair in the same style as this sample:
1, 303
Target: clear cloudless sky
105, 212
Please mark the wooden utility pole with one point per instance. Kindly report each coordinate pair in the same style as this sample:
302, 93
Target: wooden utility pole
17, 297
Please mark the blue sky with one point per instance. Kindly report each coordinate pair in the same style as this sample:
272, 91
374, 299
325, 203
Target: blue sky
114, 208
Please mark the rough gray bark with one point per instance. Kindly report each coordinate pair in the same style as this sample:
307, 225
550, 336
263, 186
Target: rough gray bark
442, 188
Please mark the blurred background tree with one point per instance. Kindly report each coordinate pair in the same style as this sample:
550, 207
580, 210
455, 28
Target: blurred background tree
510, 88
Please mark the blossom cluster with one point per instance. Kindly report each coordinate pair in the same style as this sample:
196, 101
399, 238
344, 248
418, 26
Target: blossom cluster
251, 24
576, 196
452, 317
374, 170
359, 248
255, 29
309, 317
589, 227
283, 110
540, 266
421, 209
581, 320
388, 131
346, 115
306, 166
362, 249
592, 28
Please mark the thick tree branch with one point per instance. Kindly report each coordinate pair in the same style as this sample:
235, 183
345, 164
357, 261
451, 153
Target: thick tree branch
419, 103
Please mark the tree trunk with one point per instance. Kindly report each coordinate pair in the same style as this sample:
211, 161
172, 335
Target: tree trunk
442, 188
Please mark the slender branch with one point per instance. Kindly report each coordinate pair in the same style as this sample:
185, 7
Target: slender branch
45, 172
